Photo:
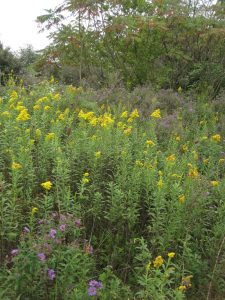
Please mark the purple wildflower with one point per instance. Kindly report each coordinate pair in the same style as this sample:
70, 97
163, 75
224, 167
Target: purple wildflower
89, 249
41, 256
96, 284
99, 285
78, 222
51, 274
26, 229
93, 283
92, 291
52, 233
14, 252
62, 227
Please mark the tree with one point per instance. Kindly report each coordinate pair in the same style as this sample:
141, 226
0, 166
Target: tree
169, 43
8, 63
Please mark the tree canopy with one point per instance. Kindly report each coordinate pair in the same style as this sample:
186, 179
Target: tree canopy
169, 43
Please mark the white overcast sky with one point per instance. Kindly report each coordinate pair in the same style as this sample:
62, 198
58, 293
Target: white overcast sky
17, 22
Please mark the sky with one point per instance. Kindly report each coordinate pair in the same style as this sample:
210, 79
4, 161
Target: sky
17, 23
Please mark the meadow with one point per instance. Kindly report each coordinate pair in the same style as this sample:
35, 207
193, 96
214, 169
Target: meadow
110, 200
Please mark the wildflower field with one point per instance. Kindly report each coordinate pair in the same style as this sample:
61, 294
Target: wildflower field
110, 200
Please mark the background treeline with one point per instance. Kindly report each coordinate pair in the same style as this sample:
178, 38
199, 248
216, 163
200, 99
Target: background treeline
168, 43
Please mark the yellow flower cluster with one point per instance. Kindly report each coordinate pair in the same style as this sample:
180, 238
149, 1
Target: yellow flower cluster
186, 283
16, 166
134, 115
172, 157
23, 115
158, 261
47, 185
216, 138
34, 210
50, 136
171, 254
103, 120
156, 114
85, 178
181, 199
193, 172
150, 143
214, 183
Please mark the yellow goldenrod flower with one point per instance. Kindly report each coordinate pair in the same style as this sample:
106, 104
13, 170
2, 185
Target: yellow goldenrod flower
50, 136
216, 138
184, 148
182, 288
121, 125
86, 116
177, 138
124, 114
106, 120
134, 114
20, 107
47, 107
171, 254
36, 107
156, 114
214, 183
41, 100
23, 115
139, 163
97, 154
34, 210
160, 183
181, 199
13, 95
193, 172
186, 281
47, 185
221, 161
61, 117
150, 143
94, 121
158, 261
16, 166
56, 97
127, 131
85, 180
130, 120
171, 157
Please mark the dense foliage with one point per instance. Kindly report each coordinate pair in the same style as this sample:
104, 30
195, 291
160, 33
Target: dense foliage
107, 201
169, 43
